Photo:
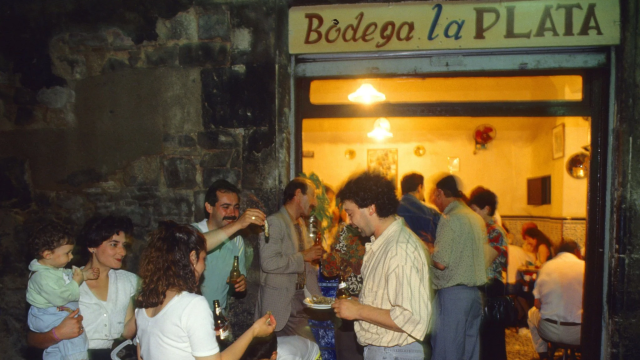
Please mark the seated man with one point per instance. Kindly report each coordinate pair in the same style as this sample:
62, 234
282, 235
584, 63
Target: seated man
282, 348
557, 314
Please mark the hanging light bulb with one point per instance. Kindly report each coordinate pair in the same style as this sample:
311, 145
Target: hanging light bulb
366, 94
381, 130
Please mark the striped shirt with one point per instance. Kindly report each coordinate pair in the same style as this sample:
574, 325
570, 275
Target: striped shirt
396, 277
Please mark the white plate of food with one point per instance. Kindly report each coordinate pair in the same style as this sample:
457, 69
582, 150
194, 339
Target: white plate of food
319, 302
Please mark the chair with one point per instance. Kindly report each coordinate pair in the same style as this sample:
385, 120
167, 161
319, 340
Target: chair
567, 349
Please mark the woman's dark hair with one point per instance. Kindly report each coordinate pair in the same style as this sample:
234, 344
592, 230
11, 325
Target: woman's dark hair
540, 237
261, 348
371, 189
99, 229
165, 263
483, 199
49, 236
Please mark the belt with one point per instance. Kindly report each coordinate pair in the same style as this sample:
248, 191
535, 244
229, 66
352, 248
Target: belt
562, 323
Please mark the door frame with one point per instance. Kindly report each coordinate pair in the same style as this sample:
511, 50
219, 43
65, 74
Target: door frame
594, 64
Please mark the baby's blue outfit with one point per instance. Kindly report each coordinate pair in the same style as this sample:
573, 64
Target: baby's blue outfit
53, 294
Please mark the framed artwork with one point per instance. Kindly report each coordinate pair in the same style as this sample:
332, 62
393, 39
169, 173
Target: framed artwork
558, 141
384, 161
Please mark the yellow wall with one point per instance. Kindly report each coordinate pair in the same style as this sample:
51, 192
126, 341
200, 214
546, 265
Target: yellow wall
522, 149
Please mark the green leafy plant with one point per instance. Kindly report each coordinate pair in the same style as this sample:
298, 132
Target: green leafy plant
322, 210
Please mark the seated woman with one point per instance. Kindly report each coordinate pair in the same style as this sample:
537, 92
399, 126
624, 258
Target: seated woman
540, 244
174, 321
106, 305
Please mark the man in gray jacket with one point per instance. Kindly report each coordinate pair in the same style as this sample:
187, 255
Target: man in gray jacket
285, 262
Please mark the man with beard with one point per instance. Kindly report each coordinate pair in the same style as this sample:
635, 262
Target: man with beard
393, 311
222, 203
285, 262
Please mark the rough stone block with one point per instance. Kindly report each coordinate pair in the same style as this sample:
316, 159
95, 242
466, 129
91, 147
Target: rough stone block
143, 172
210, 175
258, 160
25, 115
214, 26
119, 41
198, 201
180, 173
220, 139
162, 56
236, 99
182, 27
204, 54
114, 64
216, 159
95, 61
179, 141
15, 191
84, 40
55, 97
241, 39
134, 57
24, 97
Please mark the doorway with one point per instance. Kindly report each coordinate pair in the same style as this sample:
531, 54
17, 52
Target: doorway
587, 112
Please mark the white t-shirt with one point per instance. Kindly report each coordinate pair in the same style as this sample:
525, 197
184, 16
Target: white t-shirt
182, 330
559, 288
103, 321
297, 348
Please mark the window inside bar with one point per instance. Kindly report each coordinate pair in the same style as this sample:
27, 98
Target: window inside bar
457, 89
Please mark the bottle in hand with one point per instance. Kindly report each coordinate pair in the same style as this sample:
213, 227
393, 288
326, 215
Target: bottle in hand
343, 291
235, 274
221, 326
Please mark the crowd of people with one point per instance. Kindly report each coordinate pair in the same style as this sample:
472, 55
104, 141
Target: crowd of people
418, 278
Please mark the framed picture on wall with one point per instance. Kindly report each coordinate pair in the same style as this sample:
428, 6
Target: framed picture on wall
384, 161
558, 141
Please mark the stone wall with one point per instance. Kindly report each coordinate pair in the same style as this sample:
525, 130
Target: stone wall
623, 292
134, 108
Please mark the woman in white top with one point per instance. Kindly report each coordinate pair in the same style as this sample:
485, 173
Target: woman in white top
106, 304
174, 321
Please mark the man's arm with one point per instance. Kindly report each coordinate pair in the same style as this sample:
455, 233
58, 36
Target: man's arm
69, 328
537, 304
353, 310
442, 246
216, 237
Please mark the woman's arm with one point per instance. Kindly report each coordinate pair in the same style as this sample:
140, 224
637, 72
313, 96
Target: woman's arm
69, 328
236, 350
130, 327
543, 254
138, 351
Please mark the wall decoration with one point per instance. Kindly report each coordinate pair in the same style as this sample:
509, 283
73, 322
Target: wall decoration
350, 154
384, 161
558, 141
419, 150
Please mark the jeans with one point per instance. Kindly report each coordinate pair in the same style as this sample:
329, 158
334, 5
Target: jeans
413, 351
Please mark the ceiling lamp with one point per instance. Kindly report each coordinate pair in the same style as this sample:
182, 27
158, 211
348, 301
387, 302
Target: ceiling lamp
381, 129
366, 94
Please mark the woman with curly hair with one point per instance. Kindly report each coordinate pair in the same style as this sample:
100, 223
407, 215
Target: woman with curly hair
540, 244
174, 320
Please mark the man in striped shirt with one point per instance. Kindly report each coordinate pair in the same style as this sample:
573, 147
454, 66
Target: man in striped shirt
393, 311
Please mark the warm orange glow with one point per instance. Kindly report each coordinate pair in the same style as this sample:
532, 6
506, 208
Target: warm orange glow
471, 89
366, 94
381, 130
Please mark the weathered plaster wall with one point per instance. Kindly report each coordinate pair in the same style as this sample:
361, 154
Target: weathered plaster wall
134, 108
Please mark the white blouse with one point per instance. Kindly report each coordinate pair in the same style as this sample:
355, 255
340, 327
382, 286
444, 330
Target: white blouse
103, 321
182, 330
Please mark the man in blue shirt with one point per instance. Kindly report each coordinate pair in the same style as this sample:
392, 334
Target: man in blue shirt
222, 204
421, 219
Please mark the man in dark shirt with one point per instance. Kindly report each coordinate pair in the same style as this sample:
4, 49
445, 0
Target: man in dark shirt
421, 219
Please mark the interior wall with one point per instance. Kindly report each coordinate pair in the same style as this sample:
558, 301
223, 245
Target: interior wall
519, 151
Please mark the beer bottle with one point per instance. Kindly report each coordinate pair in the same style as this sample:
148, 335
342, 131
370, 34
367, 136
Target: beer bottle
343, 291
221, 325
235, 274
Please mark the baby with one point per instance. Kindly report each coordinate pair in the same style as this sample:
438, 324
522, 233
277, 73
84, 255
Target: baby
53, 291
